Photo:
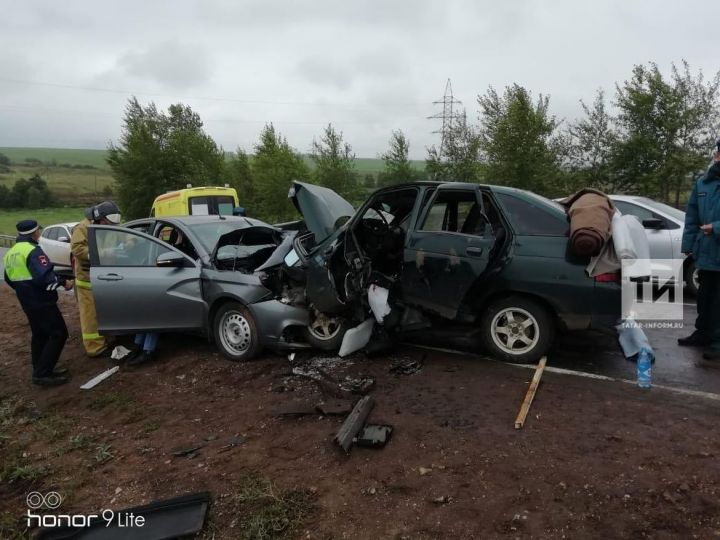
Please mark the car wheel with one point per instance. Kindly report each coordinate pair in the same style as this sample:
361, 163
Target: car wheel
692, 278
236, 333
326, 332
517, 329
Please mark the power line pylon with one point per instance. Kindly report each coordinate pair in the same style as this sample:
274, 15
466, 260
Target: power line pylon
449, 115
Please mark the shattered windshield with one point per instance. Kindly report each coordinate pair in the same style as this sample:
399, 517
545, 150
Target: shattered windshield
209, 233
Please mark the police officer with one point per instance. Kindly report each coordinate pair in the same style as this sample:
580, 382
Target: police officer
105, 213
30, 273
701, 239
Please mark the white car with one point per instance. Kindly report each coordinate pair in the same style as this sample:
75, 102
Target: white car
55, 242
664, 227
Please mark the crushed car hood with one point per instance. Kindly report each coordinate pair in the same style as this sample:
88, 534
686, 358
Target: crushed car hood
323, 209
255, 233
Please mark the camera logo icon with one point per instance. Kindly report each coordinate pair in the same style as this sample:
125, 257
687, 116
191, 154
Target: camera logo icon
36, 500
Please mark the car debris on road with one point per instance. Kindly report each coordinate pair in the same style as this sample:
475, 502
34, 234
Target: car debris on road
99, 378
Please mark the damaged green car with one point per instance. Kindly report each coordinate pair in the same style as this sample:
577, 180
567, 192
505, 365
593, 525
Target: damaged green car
487, 257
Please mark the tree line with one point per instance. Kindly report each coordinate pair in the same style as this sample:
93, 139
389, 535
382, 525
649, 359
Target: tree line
652, 138
26, 193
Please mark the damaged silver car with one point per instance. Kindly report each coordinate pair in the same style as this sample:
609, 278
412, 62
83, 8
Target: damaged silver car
214, 275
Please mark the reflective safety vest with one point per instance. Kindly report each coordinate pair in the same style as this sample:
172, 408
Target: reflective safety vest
15, 261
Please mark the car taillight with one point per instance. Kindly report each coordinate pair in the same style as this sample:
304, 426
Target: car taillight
609, 277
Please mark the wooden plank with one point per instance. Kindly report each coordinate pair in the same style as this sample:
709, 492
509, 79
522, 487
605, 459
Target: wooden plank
520, 420
95, 380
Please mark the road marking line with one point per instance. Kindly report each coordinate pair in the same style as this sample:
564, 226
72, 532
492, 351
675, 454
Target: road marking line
585, 374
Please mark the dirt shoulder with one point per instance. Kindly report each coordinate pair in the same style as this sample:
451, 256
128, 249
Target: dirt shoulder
595, 459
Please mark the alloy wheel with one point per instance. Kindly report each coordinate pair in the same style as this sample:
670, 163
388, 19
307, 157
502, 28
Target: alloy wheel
324, 327
515, 331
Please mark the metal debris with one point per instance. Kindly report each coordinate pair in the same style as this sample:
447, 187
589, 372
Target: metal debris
374, 436
189, 452
98, 379
354, 422
405, 366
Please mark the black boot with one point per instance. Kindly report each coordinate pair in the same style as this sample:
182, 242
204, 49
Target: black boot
50, 380
143, 358
132, 355
696, 339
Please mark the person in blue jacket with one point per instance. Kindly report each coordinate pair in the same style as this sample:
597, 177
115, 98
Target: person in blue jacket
701, 240
30, 273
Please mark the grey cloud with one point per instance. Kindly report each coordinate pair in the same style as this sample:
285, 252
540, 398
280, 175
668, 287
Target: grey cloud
323, 72
173, 64
368, 67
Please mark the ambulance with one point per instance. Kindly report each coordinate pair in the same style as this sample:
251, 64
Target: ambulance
196, 201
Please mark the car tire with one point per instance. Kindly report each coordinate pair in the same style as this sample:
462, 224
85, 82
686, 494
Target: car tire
235, 331
691, 277
517, 329
326, 333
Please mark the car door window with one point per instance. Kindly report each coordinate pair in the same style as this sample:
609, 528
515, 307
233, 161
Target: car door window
639, 212
531, 220
124, 248
142, 227
51, 233
631, 209
455, 211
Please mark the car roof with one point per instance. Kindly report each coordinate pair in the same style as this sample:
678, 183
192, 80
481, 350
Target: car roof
459, 185
69, 225
196, 220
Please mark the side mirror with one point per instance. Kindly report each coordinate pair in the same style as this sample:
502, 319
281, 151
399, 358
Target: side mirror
654, 223
64, 239
170, 260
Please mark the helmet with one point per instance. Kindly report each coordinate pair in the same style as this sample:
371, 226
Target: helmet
108, 210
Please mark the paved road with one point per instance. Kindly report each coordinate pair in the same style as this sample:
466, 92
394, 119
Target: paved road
599, 353
674, 366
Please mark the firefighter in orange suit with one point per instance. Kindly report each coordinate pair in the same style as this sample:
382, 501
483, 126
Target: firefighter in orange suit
105, 213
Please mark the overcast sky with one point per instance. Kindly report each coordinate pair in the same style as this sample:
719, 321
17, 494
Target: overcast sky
368, 67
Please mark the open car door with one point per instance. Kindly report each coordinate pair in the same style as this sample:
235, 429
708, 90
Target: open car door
448, 250
142, 284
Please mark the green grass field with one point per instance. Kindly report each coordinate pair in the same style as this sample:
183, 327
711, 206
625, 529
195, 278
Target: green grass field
74, 156
96, 158
66, 183
75, 187
48, 216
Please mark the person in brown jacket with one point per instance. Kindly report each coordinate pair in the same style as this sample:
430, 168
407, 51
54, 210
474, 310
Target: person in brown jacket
105, 213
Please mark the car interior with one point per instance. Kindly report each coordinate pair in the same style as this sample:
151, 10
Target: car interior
379, 235
173, 236
375, 244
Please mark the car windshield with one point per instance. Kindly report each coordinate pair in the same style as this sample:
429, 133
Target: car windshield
209, 233
665, 208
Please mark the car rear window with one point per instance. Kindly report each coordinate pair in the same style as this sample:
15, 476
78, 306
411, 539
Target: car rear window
532, 219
